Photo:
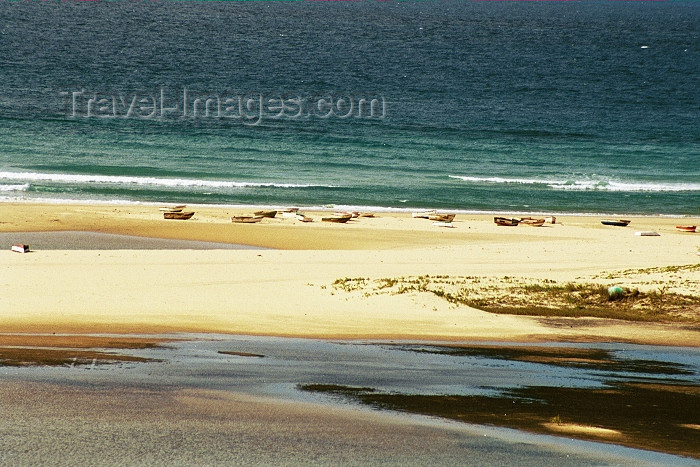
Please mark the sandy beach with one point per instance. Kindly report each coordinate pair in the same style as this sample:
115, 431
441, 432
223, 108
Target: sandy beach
95, 271
286, 289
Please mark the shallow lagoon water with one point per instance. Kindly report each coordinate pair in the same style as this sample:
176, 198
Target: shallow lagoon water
196, 362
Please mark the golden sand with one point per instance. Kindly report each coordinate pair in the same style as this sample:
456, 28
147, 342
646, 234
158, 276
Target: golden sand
287, 291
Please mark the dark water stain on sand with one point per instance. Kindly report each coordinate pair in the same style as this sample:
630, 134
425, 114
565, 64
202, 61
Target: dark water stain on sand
10, 356
641, 403
570, 357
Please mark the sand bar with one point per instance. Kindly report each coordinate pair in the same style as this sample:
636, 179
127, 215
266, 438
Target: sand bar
287, 291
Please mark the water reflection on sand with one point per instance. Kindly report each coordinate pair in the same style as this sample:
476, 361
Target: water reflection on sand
277, 367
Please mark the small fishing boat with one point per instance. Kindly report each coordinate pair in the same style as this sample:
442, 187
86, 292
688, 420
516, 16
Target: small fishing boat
442, 217
366, 214
686, 228
337, 219
531, 221
304, 218
178, 215
647, 233
20, 248
269, 214
617, 223
423, 214
177, 208
506, 221
288, 213
246, 219
444, 224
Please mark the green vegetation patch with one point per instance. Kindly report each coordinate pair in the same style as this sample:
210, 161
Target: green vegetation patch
517, 296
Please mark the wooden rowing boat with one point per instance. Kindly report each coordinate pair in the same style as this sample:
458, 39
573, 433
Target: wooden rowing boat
442, 217
337, 219
647, 233
303, 218
531, 221
178, 215
506, 221
686, 228
617, 223
177, 208
366, 214
246, 219
423, 214
269, 214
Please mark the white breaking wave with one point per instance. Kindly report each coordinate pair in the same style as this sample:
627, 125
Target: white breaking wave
23, 187
586, 185
144, 181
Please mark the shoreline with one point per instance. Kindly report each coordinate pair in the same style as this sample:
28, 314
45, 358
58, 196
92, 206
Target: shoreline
341, 207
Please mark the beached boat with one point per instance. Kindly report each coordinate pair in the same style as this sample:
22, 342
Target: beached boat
423, 214
178, 215
618, 223
531, 221
366, 214
177, 208
686, 228
447, 224
346, 213
269, 214
20, 248
442, 217
337, 219
647, 233
506, 221
246, 219
303, 218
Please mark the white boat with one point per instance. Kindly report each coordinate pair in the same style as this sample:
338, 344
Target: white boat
246, 219
423, 214
20, 248
647, 233
177, 208
444, 224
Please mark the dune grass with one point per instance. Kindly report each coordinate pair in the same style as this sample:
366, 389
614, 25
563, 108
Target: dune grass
509, 295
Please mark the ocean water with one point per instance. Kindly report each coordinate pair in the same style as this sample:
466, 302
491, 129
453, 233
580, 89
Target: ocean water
567, 107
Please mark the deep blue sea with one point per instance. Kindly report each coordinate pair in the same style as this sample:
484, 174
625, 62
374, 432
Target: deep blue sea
564, 107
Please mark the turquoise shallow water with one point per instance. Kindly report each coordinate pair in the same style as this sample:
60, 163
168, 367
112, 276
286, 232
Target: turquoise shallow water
484, 106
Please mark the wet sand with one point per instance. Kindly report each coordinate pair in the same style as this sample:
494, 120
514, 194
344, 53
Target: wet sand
212, 400
114, 425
